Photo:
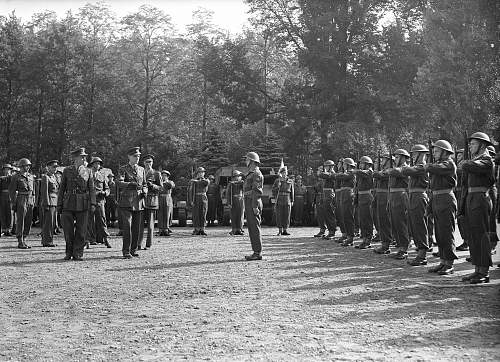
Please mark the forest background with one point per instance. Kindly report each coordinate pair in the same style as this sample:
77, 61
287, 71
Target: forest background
306, 81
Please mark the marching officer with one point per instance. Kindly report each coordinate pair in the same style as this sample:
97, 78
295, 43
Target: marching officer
347, 180
364, 180
283, 192
443, 179
299, 202
398, 203
384, 222
166, 205
326, 203
97, 221
76, 196
133, 189
252, 191
419, 202
197, 199
5, 204
152, 202
22, 194
49, 188
236, 203
213, 197
480, 178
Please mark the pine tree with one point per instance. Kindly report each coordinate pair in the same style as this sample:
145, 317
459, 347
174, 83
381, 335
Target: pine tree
270, 151
214, 154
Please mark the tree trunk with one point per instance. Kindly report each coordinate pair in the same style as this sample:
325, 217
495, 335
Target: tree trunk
38, 151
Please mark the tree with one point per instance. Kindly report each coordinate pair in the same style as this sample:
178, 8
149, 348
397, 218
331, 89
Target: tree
214, 153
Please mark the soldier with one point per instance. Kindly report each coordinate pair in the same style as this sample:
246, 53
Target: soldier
111, 201
213, 196
419, 201
5, 204
252, 191
364, 181
493, 192
49, 188
398, 203
458, 195
384, 222
98, 218
152, 202
166, 205
197, 199
326, 203
299, 203
283, 192
480, 178
58, 227
22, 194
347, 180
133, 189
76, 196
443, 179
338, 200
236, 203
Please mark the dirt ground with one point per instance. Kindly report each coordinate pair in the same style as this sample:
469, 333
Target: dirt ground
194, 298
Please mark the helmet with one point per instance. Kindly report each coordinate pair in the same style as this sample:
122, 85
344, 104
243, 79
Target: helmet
461, 150
252, 156
165, 172
444, 145
200, 169
491, 150
211, 177
402, 152
328, 163
95, 159
24, 162
481, 137
419, 148
349, 161
236, 173
366, 159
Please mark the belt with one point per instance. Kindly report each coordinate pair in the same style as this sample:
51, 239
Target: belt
338, 190
381, 190
200, 193
328, 189
398, 189
74, 192
283, 193
442, 192
416, 189
25, 193
458, 188
477, 189
345, 188
364, 192
299, 196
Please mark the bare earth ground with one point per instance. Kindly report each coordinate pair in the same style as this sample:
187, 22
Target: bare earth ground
194, 298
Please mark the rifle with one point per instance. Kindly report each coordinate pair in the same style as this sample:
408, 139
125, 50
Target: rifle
429, 146
379, 166
465, 178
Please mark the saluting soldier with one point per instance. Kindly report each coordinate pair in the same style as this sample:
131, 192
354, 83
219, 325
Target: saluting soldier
197, 199
236, 203
166, 205
133, 190
327, 201
318, 203
152, 202
283, 192
49, 188
5, 204
76, 196
347, 180
213, 196
443, 179
22, 194
299, 202
480, 178
364, 181
252, 191
111, 201
384, 222
97, 219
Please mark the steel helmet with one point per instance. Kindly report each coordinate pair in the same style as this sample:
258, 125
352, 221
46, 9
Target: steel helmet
24, 162
200, 169
402, 152
236, 173
96, 159
366, 159
481, 137
211, 177
419, 148
349, 161
444, 145
253, 156
328, 163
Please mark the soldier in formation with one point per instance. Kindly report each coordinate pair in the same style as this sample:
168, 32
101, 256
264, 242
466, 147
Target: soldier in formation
151, 202
283, 192
49, 189
5, 204
166, 205
299, 203
252, 191
97, 228
236, 203
213, 198
198, 201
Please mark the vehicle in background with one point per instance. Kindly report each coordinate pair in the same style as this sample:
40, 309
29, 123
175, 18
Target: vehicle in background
268, 201
181, 211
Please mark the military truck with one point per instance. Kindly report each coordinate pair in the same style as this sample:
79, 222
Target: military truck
181, 211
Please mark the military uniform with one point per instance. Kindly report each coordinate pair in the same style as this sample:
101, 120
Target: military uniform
299, 204
152, 203
364, 182
166, 207
197, 197
283, 192
384, 222
252, 191
236, 202
76, 196
345, 213
327, 202
398, 204
318, 205
213, 197
49, 189
22, 194
5, 204
98, 217
111, 203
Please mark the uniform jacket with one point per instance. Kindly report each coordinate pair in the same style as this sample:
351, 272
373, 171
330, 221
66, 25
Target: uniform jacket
234, 189
382, 180
76, 192
155, 185
49, 188
346, 179
252, 188
167, 188
364, 180
101, 185
418, 176
443, 175
284, 191
22, 188
479, 171
132, 186
4, 186
197, 186
329, 179
398, 179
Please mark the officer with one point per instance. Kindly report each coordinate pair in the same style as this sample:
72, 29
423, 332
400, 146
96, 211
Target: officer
364, 181
98, 218
418, 203
111, 201
22, 194
252, 191
5, 204
384, 222
326, 203
398, 203
152, 202
443, 179
133, 189
166, 205
236, 203
299, 202
76, 196
283, 192
347, 180
480, 178
49, 188
213, 196
197, 199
